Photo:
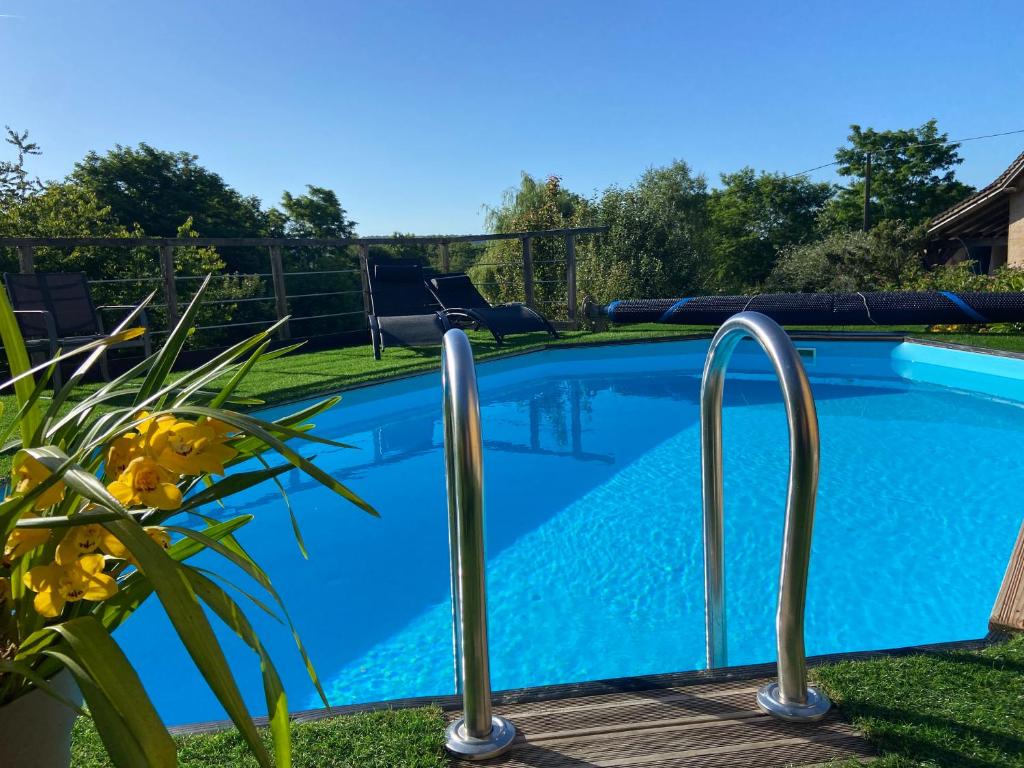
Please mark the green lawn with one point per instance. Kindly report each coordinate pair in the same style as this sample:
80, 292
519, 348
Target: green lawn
406, 738
963, 709
302, 375
932, 710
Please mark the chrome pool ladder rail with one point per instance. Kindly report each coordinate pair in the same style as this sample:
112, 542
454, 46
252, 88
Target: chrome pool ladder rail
479, 733
790, 698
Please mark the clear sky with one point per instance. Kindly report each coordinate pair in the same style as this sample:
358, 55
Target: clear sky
420, 113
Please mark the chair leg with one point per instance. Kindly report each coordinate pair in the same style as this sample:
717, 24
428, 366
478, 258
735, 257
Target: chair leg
104, 369
375, 336
57, 381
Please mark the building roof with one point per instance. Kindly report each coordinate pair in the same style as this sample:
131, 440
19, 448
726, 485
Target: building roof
986, 212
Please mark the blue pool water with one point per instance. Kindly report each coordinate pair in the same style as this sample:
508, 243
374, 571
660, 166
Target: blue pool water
594, 519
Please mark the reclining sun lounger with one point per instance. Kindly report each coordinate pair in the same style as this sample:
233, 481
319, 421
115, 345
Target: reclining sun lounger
403, 311
461, 301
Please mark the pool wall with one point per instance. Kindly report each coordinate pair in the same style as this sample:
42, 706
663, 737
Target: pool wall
994, 375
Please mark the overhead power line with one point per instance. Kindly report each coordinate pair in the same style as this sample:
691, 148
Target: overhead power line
899, 149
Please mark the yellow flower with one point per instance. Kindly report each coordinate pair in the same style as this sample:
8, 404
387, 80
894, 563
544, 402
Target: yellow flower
149, 425
29, 473
120, 454
86, 539
145, 482
22, 540
57, 584
191, 449
159, 536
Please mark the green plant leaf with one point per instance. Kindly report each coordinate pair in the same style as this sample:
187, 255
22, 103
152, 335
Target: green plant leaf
121, 330
255, 429
296, 531
19, 365
163, 361
232, 384
277, 703
175, 592
110, 680
63, 468
22, 669
121, 743
229, 548
232, 484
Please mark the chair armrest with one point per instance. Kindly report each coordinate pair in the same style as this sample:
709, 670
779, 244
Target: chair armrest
143, 317
51, 326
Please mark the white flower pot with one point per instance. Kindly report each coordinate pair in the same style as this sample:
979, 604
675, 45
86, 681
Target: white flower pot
35, 730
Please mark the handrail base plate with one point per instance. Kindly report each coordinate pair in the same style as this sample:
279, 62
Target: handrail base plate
459, 743
769, 699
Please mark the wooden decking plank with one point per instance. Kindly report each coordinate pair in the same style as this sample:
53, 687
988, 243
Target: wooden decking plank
1008, 611
714, 725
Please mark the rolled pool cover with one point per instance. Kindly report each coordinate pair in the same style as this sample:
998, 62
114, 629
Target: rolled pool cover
867, 308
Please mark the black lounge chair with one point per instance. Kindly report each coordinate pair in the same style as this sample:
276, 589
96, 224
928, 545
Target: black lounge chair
463, 302
403, 311
55, 311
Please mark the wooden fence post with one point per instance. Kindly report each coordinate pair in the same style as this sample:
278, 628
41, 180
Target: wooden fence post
445, 259
527, 273
364, 267
280, 291
570, 275
26, 259
170, 286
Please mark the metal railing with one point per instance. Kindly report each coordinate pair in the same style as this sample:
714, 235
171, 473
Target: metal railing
479, 733
790, 698
348, 299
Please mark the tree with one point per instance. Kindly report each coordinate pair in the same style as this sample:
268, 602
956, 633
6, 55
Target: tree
318, 213
913, 176
752, 217
657, 239
158, 191
532, 206
15, 183
886, 258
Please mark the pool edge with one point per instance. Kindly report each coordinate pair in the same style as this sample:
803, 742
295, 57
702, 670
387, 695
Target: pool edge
600, 687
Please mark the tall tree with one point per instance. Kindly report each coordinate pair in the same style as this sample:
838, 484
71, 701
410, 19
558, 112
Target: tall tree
158, 191
913, 176
535, 205
317, 213
16, 184
752, 217
657, 242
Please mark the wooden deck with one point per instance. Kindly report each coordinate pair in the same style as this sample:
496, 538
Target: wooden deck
690, 725
1008, 612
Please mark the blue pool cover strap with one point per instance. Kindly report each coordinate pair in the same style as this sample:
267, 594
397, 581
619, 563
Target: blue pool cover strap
610, 309
966, 308
667, 314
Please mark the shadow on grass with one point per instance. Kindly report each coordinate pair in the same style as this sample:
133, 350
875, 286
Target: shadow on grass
954, 708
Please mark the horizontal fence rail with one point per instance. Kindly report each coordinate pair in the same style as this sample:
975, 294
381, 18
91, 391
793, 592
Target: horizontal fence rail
327, 297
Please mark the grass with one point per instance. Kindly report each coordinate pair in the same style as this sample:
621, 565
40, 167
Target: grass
956, 708
404, 738
305, 375
962, 709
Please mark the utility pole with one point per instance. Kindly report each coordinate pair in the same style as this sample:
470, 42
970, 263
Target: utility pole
867, 191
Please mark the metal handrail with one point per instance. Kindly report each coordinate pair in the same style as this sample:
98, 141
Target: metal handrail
479, 733
789, 698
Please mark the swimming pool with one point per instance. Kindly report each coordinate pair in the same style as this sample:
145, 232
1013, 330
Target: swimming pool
592, 487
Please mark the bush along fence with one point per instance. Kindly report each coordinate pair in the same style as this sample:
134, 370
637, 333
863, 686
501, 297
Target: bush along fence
319, 284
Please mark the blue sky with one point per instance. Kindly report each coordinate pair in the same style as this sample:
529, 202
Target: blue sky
420, 113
